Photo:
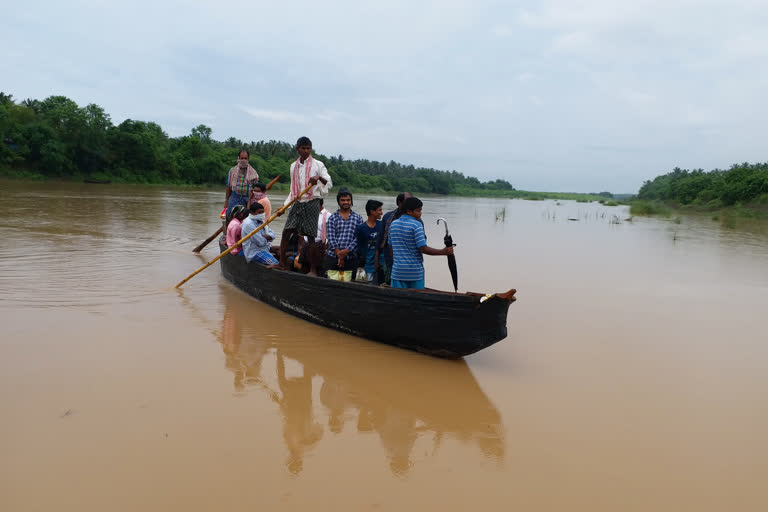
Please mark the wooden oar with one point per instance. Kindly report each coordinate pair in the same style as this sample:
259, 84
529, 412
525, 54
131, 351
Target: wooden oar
208, 240
249, 235
218, 231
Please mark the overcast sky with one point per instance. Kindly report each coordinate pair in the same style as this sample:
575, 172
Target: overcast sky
560, 95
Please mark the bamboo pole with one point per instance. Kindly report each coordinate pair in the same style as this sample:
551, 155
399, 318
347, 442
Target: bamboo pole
210, 238
249, 235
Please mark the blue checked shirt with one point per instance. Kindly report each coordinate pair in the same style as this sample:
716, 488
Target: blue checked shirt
341, 233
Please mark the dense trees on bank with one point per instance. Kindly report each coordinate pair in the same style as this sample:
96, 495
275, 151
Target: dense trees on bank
56, 138
742, 183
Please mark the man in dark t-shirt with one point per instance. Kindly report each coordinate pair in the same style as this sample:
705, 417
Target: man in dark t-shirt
369, 239
384, 247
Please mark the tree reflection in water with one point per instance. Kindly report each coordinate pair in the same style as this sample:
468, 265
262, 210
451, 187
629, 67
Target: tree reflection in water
398, 395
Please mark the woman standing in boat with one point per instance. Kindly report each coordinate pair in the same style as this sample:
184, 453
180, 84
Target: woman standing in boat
241, 181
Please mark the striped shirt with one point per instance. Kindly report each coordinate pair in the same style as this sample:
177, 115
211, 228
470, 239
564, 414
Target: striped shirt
406, 235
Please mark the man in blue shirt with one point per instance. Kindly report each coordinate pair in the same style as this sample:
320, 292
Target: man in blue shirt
408, 241
369, 235
256, 248
342, 241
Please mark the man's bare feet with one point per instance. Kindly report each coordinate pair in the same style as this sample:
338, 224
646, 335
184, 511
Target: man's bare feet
312, 273
277, 266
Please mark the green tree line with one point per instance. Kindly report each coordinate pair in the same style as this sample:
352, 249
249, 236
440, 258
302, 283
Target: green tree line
742, 183
56, 138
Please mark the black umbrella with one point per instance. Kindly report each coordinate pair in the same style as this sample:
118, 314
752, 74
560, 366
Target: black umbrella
451, 258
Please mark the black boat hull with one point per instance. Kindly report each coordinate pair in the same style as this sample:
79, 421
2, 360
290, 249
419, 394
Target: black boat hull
440, 324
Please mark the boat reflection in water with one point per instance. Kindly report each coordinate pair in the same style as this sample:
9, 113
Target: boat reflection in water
399, 396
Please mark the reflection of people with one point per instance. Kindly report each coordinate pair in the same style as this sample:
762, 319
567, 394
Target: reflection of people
383, 401
398, 435
300, 431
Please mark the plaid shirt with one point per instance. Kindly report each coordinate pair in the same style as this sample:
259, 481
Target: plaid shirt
341, 233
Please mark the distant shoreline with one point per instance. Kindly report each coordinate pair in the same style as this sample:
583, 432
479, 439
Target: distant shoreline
28, 177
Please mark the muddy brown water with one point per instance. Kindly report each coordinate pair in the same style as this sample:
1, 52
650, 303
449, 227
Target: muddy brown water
634, 376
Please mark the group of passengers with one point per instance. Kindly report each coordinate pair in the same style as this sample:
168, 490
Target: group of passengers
339, 242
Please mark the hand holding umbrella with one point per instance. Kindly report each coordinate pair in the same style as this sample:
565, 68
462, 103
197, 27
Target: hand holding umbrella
448, 239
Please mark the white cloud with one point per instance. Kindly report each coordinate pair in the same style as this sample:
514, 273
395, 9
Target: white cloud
332, 115
502, 31
281, 116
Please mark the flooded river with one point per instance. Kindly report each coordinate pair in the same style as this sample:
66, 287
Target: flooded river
633, 377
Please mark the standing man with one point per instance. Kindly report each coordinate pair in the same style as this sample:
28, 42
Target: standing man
302, 219
406, 236
342, 240
369, 238
386, 222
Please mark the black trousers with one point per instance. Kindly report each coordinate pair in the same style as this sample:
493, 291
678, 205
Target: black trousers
332, 263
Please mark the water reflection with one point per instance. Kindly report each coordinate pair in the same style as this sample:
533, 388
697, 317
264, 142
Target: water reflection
324, 382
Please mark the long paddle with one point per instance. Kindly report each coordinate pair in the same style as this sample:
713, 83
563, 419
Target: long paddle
218, 231
249, 235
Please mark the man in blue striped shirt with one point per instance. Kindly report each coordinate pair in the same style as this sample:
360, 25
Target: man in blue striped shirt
408, 241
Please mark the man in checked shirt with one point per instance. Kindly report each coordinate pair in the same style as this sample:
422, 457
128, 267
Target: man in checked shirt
342, 241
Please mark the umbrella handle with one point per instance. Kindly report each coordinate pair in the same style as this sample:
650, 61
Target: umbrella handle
444, 222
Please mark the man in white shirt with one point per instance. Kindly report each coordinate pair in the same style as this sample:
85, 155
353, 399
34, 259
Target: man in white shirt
322, 223
303, 216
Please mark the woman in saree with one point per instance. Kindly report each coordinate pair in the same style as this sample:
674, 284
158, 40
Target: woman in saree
241, 181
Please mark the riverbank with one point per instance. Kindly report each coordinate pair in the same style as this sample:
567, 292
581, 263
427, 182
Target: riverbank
29, 176
729, 216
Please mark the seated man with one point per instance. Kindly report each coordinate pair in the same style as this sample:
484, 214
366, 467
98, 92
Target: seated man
406, 236
342, 241
256, 248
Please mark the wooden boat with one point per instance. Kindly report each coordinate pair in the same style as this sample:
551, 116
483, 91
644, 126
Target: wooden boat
442, 324
97, 182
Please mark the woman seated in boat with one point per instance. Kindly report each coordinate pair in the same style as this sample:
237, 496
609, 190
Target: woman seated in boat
256, 248
234, 227
241, 181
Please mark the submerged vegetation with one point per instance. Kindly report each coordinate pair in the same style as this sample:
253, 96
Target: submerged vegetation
641, 207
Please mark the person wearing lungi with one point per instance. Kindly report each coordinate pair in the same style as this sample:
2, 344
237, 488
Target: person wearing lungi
302, 217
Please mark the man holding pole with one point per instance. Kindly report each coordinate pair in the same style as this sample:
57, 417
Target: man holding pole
302, 217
